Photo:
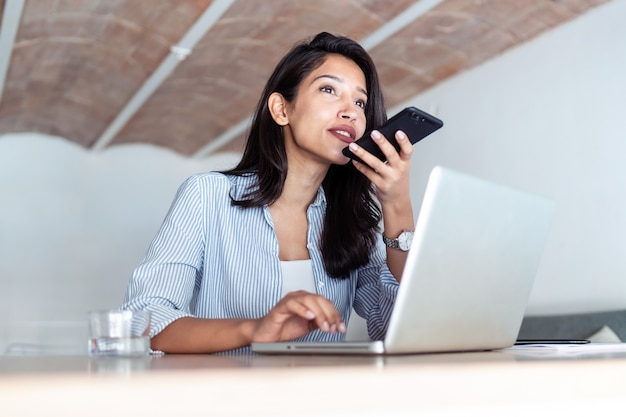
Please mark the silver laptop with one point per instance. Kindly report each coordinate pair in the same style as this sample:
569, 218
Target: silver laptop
469, 272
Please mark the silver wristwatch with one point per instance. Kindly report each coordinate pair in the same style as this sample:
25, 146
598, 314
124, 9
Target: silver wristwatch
402, 242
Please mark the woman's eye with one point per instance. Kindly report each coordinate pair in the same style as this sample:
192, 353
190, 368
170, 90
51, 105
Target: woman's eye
327, 89
360, 103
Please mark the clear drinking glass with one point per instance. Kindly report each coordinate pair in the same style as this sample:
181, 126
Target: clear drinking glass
119, 333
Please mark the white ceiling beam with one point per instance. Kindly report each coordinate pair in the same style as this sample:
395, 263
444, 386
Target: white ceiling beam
226, 137
418, 9
382, 33
177, 54
8, 31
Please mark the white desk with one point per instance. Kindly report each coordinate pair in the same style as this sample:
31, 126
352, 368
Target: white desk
483, 383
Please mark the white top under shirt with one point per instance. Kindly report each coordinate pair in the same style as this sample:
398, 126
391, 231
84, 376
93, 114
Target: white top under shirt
298, 276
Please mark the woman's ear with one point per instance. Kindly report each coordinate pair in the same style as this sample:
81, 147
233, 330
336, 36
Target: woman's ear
278, 108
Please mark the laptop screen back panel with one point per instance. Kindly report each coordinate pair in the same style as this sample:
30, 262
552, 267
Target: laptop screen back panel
477, 250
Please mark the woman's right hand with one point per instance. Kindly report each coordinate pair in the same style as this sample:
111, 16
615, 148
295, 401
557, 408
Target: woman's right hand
297, 314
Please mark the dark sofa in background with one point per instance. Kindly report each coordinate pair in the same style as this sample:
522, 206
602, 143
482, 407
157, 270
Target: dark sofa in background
573, 326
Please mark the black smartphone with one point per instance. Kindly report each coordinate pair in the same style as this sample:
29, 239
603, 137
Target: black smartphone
416, 123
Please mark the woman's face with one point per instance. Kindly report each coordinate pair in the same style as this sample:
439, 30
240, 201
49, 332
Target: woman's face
328, 112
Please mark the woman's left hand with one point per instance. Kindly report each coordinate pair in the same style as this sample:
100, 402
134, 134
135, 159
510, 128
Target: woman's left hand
391, 178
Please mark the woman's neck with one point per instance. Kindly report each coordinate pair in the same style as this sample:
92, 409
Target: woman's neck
301, 185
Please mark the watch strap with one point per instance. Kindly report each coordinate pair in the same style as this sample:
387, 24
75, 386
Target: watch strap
402, 242
391, 243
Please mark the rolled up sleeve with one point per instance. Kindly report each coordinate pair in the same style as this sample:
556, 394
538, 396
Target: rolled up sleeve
375, 296
164, 282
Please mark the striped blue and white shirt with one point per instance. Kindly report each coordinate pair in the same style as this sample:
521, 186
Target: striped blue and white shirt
211, 259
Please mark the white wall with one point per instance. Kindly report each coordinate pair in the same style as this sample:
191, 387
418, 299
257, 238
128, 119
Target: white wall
548, 117
75, 223
73, 226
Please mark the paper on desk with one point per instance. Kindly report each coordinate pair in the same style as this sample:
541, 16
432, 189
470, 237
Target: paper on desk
571, 349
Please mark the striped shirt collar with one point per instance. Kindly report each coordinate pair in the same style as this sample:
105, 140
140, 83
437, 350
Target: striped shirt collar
245, 183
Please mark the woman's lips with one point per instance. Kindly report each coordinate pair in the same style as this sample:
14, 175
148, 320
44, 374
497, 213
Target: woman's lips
344, 133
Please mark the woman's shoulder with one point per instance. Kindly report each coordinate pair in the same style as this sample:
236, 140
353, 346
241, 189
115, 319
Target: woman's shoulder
215, 182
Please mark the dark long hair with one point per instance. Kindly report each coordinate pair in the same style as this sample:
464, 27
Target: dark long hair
352, 214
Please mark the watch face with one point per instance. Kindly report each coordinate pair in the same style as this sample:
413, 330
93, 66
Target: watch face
404, 240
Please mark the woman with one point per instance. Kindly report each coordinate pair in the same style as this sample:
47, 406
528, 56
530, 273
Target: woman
287, 243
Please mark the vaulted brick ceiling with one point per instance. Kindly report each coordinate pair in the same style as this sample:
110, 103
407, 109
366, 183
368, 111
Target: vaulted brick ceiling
109, 72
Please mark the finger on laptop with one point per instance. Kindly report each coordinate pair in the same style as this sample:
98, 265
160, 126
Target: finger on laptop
318, 309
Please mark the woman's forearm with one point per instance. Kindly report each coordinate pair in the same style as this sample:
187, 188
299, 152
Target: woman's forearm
397, 218
195, 335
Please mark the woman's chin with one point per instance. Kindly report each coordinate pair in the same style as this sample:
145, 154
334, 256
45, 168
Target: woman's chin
341, 159
337, 157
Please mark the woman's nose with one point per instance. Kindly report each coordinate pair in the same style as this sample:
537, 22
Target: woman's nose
348, 113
